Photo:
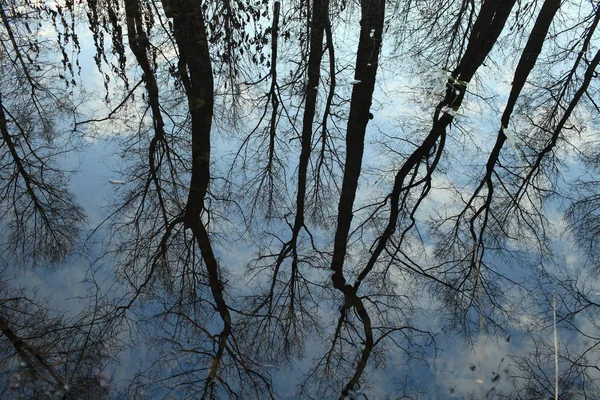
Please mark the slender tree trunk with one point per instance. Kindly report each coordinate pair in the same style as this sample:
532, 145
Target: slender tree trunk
486, 30
526, 63
317, 30
367, 55
196, 73
369, 45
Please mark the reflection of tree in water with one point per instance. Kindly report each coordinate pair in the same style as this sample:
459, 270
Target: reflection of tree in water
373, 237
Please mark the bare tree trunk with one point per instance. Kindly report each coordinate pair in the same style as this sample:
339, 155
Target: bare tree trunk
196, 73
369, 45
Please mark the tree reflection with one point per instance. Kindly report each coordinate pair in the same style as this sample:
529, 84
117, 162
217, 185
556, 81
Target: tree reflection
276, 216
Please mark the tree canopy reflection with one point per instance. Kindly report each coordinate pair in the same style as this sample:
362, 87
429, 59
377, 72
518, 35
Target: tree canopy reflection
315, 199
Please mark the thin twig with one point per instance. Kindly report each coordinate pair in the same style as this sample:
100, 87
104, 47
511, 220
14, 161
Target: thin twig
555, 348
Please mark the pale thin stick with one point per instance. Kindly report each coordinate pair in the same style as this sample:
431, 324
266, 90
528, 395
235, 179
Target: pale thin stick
481, 319
555, 348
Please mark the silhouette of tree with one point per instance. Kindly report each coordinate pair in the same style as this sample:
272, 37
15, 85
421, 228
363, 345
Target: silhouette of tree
49, 354
46, 352
39, 214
